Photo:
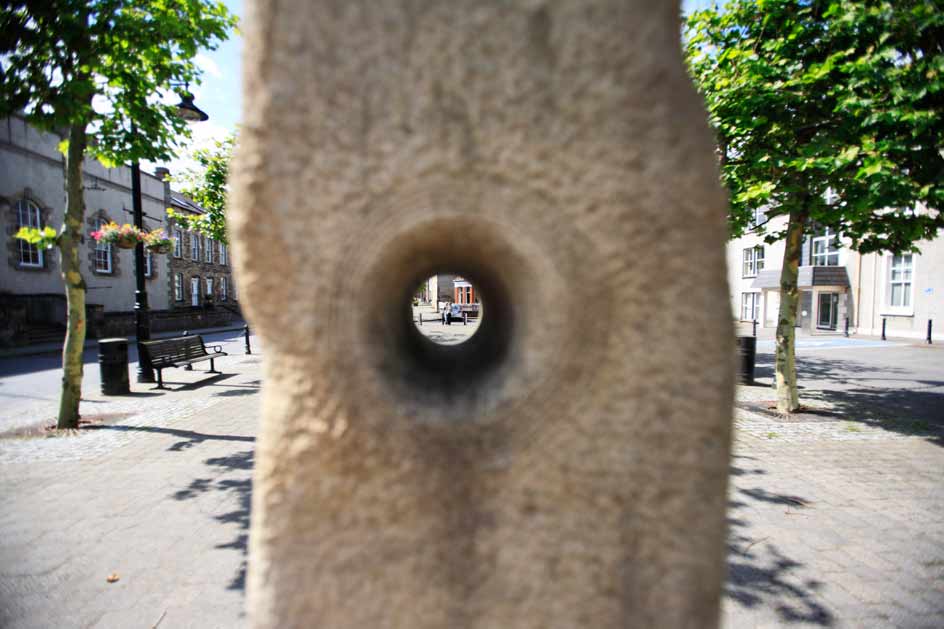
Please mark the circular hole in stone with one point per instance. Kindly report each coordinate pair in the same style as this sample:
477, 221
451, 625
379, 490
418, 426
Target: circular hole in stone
448, 309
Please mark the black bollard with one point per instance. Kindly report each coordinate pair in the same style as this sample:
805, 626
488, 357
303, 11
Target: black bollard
883, 328
846, 331
421, 319
187, 367
246, 334
754, 323
929, 331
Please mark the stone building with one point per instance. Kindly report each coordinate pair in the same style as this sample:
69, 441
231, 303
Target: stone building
32, 297
200, 273
837, 283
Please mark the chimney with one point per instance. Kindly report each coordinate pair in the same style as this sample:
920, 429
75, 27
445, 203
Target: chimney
163, 173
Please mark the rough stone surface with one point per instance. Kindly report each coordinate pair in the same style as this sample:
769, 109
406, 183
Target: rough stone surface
567, 465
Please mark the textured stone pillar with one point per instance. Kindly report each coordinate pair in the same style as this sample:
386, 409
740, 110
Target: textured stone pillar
566, 467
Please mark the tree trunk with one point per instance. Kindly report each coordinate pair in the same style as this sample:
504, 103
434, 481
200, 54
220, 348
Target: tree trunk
785, 370
69, 242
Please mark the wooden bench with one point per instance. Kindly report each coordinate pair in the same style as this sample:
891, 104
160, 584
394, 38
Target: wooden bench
180, 351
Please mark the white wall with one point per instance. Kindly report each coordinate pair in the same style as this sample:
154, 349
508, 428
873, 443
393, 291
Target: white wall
871, 291
773, 259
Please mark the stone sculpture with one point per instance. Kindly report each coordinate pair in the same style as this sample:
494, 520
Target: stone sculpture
565, 467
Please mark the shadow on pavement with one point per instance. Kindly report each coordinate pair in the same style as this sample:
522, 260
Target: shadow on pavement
240, 486
896, 402
760, 575
191, 438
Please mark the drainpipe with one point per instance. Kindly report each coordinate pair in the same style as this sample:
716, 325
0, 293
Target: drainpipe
875, 259
858, 289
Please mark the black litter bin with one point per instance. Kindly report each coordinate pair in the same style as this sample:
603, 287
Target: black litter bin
747, 353
113, 363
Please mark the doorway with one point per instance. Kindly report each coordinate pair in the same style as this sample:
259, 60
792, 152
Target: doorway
827, 311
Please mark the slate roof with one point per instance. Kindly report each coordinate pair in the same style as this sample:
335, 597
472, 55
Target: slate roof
180, 200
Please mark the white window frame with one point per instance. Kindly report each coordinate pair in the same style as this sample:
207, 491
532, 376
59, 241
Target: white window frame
103, 252
222, 253
26, 209
758, 217
223, 291
209, 287
207, 249
148, 264
178, 286
178, 243
752, 261
194, 246
750, 311
827, 238
890, 267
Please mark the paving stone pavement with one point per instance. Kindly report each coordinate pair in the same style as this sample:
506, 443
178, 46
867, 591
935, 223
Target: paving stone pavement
829, 527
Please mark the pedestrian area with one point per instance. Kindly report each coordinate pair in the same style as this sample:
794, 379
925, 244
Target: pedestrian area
835, 520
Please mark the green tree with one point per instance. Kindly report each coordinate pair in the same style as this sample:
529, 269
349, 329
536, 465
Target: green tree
206, 185
810, 96
96, 69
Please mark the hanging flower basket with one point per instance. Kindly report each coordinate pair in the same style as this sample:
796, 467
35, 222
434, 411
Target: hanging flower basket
127, 242
124, 236
157, 241
160, 249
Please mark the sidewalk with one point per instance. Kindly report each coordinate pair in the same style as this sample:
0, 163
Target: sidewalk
158, 493
56, 348
834, 520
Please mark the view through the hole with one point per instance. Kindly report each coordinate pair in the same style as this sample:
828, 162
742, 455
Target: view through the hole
447, 309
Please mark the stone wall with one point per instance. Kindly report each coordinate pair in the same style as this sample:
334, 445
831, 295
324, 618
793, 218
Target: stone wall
189, 268
122, 323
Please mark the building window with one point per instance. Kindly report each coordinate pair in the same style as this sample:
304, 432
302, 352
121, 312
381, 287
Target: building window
194, 246
178, 287
209, 288
753, 261
750, 306
27, 215
207, 249
178, 243
825, 248
899, 281
223, 254
103, 252
148, 264
758, 217
222, 289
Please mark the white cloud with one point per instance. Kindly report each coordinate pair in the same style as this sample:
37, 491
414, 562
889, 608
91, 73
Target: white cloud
208, 65
204, 134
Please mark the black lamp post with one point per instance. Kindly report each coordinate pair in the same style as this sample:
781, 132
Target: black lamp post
142, 320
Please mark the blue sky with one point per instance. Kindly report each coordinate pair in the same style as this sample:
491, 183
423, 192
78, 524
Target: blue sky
221, 97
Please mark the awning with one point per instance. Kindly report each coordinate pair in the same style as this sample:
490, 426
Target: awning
807, 277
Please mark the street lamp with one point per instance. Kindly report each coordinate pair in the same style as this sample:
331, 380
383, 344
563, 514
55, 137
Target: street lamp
142, 320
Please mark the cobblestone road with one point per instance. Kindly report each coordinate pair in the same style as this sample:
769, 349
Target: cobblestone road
835, 521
